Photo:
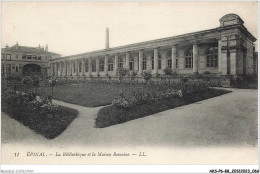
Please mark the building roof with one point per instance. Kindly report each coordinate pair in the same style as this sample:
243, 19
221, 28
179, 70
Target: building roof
25, 49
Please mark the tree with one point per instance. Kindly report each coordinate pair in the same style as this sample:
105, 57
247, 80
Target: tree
147, 75
197, 76
169, 72
133, 74
36, 83
121, 72
52, 83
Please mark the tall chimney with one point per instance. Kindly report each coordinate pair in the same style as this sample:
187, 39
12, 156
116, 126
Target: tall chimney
42, 48
107, 38
46, 48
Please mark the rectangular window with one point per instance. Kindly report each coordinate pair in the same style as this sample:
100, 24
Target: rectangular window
131, 64
29, 56
144, 65
212, 61
39, 57
80, 66
93, 66
188, 62
74, 67
120, 64
8, 56
34, 57
86, 66
159, 64
169, 63
110, 67
16, 56
24, 56
101, 67
3, 56
8, 69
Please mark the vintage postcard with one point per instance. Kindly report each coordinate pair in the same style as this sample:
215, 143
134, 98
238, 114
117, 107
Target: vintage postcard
142, 83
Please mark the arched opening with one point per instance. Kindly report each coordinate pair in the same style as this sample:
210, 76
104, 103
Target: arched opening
31, 69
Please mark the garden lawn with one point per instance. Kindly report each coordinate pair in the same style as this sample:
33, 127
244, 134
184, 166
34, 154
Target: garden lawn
88, 94
111, 115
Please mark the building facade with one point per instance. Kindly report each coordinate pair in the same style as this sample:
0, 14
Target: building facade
26, 61
225, 50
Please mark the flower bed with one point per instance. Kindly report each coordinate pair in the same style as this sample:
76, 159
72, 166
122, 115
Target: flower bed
37, 113
157, 99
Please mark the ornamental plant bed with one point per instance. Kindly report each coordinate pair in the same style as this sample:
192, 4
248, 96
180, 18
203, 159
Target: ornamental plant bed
49, 126
39, 114
112, 115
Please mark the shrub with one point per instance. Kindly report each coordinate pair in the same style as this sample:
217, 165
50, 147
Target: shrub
168, 71
36, 112
147, 75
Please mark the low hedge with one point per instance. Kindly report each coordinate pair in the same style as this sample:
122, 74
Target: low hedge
111, 115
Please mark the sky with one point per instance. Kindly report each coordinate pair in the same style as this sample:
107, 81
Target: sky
78, 27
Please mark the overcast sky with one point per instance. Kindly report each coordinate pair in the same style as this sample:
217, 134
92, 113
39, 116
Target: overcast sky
77, 27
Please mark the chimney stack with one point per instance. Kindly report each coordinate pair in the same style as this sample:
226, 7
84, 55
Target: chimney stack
42, 48
107, 38
39, 47
46, 48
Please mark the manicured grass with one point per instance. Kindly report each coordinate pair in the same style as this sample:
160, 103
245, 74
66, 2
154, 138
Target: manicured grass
50, 126
88, 94
110, 115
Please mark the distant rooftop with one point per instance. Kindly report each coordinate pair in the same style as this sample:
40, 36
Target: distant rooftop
25, 49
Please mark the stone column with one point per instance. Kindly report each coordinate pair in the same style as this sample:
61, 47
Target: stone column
127, 61
62, 67
56, 69
89, 66
71, 67
66, 68
224, 60
219, 57
97, 65
140, 72
82, 66
174, 52
233, 62
106, 65
156, 61
76, 67
195, 57
116, 64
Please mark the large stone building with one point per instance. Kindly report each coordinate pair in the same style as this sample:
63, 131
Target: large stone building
225, 50
21, 60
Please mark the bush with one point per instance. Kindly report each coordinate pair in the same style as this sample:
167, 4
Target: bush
155, 93
111, 115
147, 75
38, 113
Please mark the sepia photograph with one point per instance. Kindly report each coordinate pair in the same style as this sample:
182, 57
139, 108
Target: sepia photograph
129, 83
